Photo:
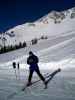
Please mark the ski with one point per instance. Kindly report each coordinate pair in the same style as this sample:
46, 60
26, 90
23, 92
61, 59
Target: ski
52, 76
49, 76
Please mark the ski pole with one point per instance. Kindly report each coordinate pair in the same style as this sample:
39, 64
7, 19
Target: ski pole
15, 74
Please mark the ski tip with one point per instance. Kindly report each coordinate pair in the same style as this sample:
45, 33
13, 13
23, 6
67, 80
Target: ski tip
59, 69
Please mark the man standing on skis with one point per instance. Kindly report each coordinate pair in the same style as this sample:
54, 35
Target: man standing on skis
33, 60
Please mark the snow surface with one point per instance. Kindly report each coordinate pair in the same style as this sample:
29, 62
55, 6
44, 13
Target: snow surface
58, 51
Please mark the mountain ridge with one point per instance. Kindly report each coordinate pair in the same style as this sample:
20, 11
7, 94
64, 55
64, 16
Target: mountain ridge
51, 24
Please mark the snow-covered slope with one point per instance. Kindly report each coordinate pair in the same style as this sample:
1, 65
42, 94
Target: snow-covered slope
59, 45
52, 52
51, 24
56, 51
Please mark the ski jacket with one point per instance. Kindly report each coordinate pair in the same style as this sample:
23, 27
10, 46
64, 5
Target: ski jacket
33, 61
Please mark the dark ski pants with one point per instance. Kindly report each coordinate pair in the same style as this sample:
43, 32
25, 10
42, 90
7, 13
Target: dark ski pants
38, 72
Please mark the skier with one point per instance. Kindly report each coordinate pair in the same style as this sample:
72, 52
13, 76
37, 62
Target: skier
18, 66
14, 65
33, 60
18, 71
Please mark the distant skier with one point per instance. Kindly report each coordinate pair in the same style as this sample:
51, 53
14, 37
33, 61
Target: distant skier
14, 65
33, 60
18, 66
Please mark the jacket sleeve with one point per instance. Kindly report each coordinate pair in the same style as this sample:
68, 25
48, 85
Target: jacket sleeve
37, 59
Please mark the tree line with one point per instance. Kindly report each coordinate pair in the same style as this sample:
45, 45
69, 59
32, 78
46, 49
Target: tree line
34, 41
5, 49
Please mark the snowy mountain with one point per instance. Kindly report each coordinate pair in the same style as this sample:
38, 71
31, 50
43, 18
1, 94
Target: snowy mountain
59, 27
52, 24
57, 51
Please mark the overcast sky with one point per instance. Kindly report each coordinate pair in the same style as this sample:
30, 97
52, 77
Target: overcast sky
14, 12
